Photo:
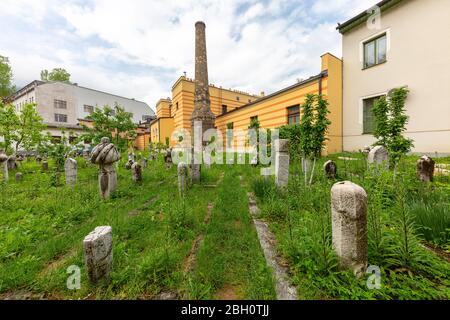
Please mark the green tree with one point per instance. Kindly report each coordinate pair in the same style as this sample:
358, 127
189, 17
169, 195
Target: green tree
57, 74
6, 86
390, 124
29, 128
8, 126
107, 122
321, 125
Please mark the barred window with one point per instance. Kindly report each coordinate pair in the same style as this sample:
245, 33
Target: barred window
88, 109
60, 117
60, 104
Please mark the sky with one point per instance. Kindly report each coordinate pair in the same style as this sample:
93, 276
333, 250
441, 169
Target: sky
139, 48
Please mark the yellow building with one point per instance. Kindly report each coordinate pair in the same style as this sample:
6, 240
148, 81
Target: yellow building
235, 109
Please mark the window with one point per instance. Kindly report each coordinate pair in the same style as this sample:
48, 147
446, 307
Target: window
60, 117
177, 105
375, 51
60, 104
293, 114
368, 118
224, 109
88, 109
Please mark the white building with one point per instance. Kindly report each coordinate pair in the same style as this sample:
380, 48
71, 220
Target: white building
62, 105
406, 44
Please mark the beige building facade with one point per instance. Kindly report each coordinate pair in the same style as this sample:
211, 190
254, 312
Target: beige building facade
407, 44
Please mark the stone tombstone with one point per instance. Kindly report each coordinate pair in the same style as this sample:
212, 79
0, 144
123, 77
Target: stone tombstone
12, 165
425, 169
182, 178
168, 158
105, 155
129, 164
144, 162
44, 165
38, 159
71, 169
130, 157
282, 162
98, 253
136, 170
19, 176
378, 155
4, 165
349, 225
330, 169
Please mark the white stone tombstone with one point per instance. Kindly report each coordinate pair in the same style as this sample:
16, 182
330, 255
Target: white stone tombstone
71, 169
98, 253
182, 178
282, 162
105, 155
378, 155
349, 225
19, 176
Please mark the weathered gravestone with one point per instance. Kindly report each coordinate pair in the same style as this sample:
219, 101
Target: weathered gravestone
44, 166
144, 163
129, 164
105, 155
19, 176
349, 225
168, 158
330, 169
182, 178
71, 169
378, 155
12, 165
4, 165
425, 169
136, 170
282, 162
98, 253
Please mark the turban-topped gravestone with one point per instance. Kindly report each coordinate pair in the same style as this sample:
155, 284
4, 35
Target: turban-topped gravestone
105, 155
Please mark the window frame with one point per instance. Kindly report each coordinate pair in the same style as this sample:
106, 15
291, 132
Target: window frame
57, 104
224, 108
86, 106
366, 131
58, 118
374, 40
295, 114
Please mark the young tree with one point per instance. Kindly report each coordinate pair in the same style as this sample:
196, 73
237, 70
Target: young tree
8, 126
390, 124
321, 125
6, 86
108, 122
29, 128
57, 74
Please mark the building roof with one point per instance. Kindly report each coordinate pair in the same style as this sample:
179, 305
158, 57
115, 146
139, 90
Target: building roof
299, 84
362, 17
37, 83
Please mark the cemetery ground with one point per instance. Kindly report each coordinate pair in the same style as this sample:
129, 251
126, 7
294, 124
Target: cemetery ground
205, 246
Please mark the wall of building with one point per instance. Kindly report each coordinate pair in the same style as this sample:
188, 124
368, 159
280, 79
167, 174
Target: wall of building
163, 108
183, 101
417, 57
272, 112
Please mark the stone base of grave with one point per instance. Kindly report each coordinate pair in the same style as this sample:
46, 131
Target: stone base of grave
107, 180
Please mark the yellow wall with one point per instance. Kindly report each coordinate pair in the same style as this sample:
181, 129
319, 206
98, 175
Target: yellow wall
163, 108
183, 95
272, 110
161, 129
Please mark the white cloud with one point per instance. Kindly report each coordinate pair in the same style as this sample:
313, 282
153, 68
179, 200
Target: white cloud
262, 47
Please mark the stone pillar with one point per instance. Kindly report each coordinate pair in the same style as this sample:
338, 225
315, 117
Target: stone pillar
19, 176
105, 155
136, 169
330, 169
378, 155
349, 225
282, 162
425, 169
4, 165
129, 164
98, 253
182, 178
44, 166
71, 169
202, 104
168, 158
144, 163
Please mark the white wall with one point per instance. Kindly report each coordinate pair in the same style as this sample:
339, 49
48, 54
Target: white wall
418, 57
99, 99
